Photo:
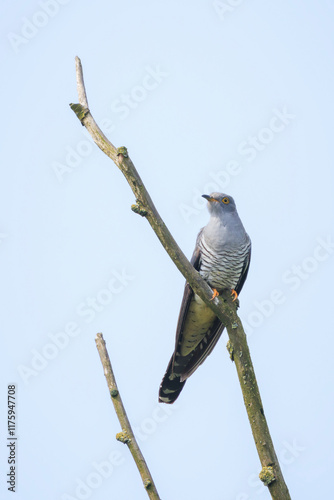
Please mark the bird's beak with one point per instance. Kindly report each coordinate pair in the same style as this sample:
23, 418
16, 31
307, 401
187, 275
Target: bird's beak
207, 197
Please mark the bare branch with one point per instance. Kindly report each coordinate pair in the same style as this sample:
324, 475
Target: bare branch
223, 305
126, 436
81, 85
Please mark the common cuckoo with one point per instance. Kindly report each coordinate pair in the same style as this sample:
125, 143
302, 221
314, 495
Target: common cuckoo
222, 256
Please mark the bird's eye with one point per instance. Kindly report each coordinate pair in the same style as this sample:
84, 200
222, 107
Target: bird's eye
226, 200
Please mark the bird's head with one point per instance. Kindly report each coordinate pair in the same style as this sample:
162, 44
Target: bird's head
220, 203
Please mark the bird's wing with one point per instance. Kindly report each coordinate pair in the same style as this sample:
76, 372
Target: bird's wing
203, 349
188, 294
198, 329
244, 272
171, 384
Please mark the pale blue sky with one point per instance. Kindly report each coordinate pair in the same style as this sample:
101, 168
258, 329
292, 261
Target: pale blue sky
207, 96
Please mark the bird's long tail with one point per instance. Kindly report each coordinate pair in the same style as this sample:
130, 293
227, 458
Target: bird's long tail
171, 385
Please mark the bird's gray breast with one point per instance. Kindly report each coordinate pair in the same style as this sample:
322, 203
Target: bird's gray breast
223, 253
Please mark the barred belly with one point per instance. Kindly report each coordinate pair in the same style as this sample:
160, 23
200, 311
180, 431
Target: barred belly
222, 269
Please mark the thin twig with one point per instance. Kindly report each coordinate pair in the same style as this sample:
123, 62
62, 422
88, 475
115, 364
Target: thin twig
223, 306
81, 84
126, 436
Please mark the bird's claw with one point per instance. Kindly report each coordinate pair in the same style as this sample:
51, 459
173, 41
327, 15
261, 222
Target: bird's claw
234, 295
215, 294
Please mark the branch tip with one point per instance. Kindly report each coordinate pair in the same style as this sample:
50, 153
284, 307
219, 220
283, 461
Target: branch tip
80, 83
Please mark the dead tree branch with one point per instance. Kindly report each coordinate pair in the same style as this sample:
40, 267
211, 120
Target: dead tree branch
126, 436
223, 306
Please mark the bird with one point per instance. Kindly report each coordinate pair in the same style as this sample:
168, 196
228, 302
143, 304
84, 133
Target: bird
222, 256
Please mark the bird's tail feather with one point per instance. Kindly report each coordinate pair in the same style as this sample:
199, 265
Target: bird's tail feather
171, 385
181, 367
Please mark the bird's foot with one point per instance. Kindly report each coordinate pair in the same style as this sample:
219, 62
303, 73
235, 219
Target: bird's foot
215, 294
234, 295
